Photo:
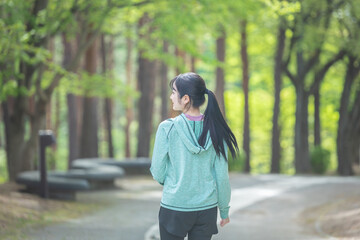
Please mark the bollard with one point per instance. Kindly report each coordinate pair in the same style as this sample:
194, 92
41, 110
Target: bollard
46, 138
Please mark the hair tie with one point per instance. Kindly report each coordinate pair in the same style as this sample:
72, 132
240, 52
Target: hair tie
207, 91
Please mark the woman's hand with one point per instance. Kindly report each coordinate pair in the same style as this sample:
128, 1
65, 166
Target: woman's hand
225, 221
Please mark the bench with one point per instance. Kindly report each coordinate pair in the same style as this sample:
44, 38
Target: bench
97, 176
132, 166
61, 188
64, 184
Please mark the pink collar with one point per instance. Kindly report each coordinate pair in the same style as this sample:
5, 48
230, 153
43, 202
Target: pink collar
194, 118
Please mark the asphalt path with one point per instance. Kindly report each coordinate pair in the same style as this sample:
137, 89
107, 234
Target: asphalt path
262, 207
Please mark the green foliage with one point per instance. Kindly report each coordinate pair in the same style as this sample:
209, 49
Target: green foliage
320, 159
237, 164
3, 167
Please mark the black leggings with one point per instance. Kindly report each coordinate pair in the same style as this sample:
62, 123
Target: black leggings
198, 225
165, 235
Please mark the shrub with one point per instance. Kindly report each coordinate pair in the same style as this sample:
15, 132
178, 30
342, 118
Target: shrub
320, 159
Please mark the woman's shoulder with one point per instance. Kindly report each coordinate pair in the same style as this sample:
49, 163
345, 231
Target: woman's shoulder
167, 124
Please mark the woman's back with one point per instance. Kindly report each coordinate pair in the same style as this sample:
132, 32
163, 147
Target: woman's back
193, 173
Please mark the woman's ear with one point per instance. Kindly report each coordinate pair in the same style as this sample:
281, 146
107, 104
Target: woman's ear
186, 99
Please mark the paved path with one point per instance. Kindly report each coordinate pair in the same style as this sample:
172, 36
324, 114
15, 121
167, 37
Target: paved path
262, 207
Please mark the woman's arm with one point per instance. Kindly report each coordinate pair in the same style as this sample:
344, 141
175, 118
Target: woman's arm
223, 185
160, 155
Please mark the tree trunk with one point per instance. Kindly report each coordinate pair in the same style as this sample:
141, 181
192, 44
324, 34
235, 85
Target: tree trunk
89, 133
73, 143
317, 128
129, 101
345, 129
302, 159
108, 117
146, 83
179, 55
275, 141
14, 134
355, 134
72, 106
164, 85
21, 151
220, 76
107, 50
315, 90
245, 73
193, 63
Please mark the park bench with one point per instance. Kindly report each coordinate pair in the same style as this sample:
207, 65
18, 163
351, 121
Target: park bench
98, 176
132, 166
61, 188
64, 184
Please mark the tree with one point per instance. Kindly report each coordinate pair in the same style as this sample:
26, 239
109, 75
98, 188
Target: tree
129, 104
311, 24
89, 132
73, 102
245, 84
146, 83
107, 56
348, 134
220, 75
275, 141
348, 130
164, 85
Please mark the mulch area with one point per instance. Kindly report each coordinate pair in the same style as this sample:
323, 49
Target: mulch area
19, 209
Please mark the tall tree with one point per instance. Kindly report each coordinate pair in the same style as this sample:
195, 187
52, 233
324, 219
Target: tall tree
348, 129
89, 132
129, 101
310, 17
107, 57
275, 141
146, 83
245, 84
21, 151
220, 75
164, 85
348, 134
72, 104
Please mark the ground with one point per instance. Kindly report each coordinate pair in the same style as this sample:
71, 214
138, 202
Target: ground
282, 207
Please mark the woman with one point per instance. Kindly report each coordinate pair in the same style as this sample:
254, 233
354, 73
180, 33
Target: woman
190, 161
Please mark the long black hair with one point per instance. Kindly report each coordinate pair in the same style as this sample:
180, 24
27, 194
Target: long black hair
193, 85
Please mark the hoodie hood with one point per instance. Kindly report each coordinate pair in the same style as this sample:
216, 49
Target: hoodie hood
188, 137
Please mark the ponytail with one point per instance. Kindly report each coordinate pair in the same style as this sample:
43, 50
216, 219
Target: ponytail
219, 129
193, 85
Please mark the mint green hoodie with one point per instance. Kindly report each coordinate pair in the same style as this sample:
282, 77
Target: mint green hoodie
194, 177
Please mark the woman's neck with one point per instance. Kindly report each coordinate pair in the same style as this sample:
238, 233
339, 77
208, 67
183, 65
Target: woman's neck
193, 112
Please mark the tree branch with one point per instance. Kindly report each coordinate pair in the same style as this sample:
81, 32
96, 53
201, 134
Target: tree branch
290, 75
320, 74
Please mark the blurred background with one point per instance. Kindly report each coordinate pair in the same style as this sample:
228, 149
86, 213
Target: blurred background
285, 73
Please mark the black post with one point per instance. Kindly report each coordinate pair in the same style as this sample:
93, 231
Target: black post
46, 138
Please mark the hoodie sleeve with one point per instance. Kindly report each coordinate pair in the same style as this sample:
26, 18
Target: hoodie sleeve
222, 184
160, 155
